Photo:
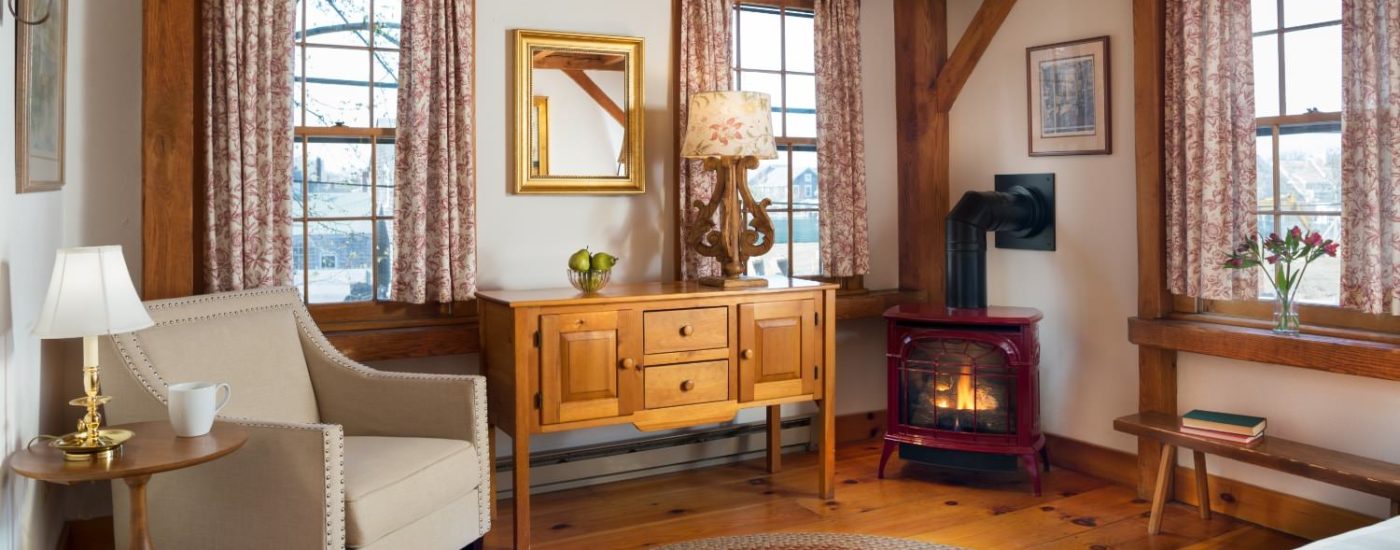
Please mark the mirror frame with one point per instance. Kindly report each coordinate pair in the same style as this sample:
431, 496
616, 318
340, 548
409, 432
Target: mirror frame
528, 183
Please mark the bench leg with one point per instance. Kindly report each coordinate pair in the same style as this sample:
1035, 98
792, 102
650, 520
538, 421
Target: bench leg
1159, 495
1202, 489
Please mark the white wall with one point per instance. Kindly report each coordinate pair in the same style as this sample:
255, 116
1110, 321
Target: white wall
99, 205
1088, 287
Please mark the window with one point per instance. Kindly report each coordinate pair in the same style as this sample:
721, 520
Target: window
774, 53
344, 109
1298, 101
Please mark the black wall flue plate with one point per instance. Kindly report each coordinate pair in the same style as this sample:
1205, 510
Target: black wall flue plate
1042, 184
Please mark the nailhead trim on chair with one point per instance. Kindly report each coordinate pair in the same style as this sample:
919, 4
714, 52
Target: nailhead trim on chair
307, 326
335, 492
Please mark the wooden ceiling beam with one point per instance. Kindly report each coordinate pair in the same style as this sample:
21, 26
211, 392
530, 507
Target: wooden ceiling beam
969, 51
591, 88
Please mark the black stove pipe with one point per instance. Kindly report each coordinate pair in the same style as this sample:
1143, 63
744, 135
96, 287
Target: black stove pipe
1020, 210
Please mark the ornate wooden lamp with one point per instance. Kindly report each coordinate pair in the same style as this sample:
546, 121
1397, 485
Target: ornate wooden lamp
90, 295
731, 131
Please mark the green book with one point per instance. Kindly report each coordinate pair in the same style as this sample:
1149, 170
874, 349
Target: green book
1223, 422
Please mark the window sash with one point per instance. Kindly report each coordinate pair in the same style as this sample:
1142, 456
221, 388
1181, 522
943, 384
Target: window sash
786, 145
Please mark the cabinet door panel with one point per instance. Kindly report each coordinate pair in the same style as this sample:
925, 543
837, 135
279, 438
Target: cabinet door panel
777, 355
583, 369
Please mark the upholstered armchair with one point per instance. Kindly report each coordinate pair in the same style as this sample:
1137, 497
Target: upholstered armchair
339, 455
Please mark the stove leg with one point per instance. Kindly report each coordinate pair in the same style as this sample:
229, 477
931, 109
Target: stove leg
885, 456
1033, 467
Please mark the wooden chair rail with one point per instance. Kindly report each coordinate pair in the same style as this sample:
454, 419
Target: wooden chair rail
1311, 351
1338, 468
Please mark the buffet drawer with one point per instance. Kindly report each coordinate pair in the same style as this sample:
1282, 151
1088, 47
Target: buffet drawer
686, 384
686, 329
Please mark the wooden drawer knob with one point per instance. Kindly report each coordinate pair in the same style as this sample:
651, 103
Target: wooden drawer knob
687, 385
687, 330
747, 354
627, 363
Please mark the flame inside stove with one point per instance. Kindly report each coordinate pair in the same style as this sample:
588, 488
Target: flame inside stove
966, 397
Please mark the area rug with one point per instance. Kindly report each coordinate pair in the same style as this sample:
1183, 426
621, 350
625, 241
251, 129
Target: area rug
805, 541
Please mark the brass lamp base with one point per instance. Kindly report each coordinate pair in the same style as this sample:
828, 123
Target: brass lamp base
734, 282
77, 446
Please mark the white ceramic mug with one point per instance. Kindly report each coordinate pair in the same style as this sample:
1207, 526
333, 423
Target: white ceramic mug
193, 406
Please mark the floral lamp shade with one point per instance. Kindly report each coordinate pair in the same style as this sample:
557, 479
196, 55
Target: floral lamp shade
729, 124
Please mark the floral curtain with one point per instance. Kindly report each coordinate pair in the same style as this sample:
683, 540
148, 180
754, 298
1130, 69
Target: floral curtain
248, 143
435, 201
845, 250
1370, 149
704, 67
1209, 146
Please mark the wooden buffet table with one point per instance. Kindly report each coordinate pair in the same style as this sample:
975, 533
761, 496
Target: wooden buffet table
154, 449
657, 356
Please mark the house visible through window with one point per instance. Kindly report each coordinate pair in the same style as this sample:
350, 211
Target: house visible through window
345, 103
1298, 102
773, 53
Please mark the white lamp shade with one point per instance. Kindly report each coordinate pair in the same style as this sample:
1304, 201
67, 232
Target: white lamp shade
729, 124
90, 294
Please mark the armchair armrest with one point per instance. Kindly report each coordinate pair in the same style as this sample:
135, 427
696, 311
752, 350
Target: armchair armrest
372, 402
287, 480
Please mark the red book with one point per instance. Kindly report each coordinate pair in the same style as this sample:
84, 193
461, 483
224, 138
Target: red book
1237, 438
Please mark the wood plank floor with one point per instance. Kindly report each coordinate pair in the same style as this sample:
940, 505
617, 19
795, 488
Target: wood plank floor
977, 511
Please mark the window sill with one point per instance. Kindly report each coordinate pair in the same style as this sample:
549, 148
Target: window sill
873, 303
1357, 353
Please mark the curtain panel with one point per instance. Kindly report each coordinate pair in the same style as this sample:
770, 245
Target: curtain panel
845, 250
434, 171
1370, 149
705, 66
248, 143
1209, 146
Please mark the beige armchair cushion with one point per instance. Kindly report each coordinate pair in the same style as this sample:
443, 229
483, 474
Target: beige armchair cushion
257, 353
391, 482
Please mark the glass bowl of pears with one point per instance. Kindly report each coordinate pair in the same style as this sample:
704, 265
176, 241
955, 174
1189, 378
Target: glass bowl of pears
589, 271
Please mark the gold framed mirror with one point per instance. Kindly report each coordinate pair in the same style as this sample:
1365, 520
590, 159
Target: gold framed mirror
578, 113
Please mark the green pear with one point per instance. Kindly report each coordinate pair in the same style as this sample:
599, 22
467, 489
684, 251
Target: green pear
579, 261
603, 261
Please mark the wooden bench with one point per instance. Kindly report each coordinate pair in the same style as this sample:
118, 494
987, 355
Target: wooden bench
1346, 470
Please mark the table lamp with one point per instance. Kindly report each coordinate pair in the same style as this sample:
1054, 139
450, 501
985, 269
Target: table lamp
90, 295
731, 131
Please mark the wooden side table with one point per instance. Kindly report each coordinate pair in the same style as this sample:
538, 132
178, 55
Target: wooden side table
154, 449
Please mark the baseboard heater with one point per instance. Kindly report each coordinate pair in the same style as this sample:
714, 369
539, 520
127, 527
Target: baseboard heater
615, 461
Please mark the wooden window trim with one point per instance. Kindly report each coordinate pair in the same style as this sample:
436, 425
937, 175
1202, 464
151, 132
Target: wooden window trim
1357, 353
1168, 324
172, 187
1317, 318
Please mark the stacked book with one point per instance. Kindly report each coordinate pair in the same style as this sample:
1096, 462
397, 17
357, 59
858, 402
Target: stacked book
1230, 427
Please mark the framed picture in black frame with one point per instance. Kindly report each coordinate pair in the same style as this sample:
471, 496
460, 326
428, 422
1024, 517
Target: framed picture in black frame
1067, 98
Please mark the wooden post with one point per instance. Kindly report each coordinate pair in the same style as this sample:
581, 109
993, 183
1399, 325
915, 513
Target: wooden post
1156, 366
921, 49
172, 111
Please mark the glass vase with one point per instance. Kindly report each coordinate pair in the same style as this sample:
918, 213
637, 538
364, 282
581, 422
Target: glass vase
1286, 316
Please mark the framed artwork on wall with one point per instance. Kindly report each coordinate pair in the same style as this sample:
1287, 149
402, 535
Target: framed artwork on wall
1068, 98
40, 58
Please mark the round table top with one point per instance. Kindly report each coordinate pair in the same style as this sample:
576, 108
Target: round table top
153, 449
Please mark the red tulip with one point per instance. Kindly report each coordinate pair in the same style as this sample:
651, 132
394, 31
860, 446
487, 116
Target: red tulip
1331, 248
1272, 259
1296, 232
1313, 239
